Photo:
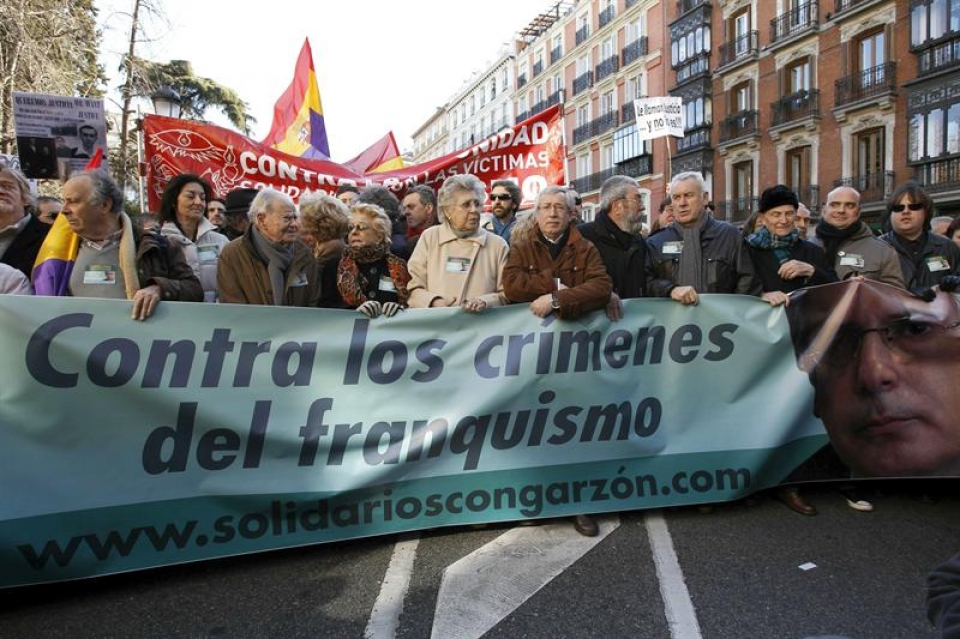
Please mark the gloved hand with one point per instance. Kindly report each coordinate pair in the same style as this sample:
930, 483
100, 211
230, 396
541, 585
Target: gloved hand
927, 294
370, 308
950, 283
391, 308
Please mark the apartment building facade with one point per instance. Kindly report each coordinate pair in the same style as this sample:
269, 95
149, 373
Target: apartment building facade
816, 94
810, 93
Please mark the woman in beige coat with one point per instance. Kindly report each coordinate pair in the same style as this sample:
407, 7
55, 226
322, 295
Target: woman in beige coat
458, 263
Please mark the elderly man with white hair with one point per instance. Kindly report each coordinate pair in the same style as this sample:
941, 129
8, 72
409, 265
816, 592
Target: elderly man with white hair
267, 264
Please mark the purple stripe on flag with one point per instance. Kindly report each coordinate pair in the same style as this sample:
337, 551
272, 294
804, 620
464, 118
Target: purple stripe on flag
52, 277
318, 133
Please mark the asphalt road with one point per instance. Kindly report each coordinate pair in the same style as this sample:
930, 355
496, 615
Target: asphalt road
740, 570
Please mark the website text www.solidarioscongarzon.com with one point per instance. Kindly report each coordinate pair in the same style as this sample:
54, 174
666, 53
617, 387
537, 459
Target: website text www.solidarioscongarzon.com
299, 517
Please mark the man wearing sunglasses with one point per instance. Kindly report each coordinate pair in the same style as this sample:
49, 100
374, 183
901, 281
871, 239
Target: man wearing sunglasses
884, 365
925, 258
505, 200
850, 244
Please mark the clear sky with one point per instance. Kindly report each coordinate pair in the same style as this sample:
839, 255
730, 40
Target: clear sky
381, 65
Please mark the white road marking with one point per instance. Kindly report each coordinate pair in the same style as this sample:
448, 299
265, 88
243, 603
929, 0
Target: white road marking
385, 616
678, 607
481, 589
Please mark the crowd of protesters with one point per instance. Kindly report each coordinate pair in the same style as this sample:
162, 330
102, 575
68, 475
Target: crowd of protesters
366, 249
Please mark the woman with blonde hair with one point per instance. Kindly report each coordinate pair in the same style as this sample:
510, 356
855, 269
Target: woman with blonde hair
370, 278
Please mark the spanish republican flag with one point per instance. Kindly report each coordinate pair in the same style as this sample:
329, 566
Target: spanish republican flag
383, 156
298, 116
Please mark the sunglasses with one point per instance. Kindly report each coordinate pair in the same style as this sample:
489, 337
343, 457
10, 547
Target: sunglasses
361, 227
503, 197
913, 206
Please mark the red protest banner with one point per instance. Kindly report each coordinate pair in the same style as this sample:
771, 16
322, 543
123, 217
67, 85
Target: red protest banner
531, 153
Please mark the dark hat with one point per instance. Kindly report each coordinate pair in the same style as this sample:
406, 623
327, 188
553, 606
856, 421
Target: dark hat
778, 195
238, 201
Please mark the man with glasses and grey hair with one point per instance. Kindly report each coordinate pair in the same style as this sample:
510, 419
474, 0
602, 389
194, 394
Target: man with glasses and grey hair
616, 233
698, 253
884, 366
558, 272
21, 234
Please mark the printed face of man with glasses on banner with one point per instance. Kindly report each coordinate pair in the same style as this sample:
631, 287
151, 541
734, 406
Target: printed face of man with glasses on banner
885, 366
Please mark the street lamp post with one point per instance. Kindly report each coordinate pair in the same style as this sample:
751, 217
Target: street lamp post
166, 102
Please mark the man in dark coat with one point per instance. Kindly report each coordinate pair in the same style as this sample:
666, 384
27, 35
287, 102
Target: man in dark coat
21, 234
616, 233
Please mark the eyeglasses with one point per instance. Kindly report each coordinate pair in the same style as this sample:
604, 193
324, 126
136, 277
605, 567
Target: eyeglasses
913, 206
503, 197
359, 227
633, 199
562, 208
915, 338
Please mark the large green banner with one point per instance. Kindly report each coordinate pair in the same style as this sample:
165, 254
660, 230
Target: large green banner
213, 430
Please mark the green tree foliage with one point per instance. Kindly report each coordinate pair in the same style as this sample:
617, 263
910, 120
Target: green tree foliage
46, 46
197, 94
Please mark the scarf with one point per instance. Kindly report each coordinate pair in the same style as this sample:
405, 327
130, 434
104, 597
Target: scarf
352, 283
832, 237
58, 254
278, 257
780, 245
554, 246
691, 272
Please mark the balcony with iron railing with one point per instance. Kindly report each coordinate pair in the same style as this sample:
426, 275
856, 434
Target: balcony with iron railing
593, 181
634, 51
801, 18
693, 67
739, 49
555, 54
683, 6
607, 15
739, 125
521, 80
606, 68
581, 34
796, 106
873, 82
637, 166
595, 127
873, 187
840, 6
537, 68
737, 211
940, 56
582, 82
942, 174
542, 105
694, 139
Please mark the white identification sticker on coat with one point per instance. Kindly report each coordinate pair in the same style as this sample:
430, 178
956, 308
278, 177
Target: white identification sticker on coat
937, 263
851, 259
207, 253
458, 264
301, 281
386, 284
100, 274
672, 248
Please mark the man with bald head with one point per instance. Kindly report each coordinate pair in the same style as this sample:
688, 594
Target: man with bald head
850, 244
